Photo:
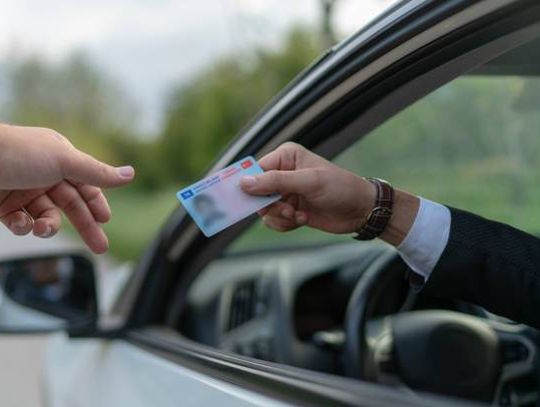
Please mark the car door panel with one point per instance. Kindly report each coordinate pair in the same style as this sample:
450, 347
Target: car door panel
93, 372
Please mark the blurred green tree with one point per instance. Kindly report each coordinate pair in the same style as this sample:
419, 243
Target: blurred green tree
204, 114
74, 97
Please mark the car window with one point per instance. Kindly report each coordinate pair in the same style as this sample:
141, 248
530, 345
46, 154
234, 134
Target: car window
472, 144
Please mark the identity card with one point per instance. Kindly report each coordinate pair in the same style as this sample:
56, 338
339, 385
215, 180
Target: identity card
217, 202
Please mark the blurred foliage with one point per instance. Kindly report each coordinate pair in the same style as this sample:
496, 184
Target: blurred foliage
73, 97
206, 113
471, 144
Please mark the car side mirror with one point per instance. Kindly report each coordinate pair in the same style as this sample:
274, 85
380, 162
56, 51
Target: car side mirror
48, 293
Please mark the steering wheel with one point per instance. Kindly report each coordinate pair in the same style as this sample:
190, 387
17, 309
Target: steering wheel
435, 350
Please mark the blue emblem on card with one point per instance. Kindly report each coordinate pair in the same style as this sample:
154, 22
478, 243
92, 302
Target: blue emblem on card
187, 194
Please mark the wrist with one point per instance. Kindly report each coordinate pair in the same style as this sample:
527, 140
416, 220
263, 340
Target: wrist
365, 197
404, 213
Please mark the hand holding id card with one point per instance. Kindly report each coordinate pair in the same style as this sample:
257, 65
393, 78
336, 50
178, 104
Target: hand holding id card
217, 202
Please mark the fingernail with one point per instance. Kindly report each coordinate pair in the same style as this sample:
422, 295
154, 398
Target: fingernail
126, 172
300, 218
19, 227
47, 232
287, 213
248, 181
19, 223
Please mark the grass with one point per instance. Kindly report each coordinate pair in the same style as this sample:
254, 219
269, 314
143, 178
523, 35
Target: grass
137, 217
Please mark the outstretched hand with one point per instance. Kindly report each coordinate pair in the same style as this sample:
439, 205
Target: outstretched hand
315, 192
321, 195
42, 174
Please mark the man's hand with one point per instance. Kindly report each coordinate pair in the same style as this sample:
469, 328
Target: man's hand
322, 195
315, 192
42, 174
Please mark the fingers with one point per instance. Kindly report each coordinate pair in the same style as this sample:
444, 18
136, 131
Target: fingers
47, 217
288, 213
282, 158
278, 224
283, 217
68, 198
277, 209
96, 201
286, 206
84, 205
283, 182
18, 222
80, 167
12, 214
281, 224
17, 200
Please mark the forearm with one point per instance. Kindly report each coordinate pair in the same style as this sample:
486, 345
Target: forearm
488, 263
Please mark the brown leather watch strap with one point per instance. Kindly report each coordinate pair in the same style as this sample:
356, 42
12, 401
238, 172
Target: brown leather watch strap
381, 213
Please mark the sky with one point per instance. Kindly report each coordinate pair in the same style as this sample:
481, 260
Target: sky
147, 46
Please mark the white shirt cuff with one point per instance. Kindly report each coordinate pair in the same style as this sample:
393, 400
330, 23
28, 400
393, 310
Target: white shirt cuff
427, 239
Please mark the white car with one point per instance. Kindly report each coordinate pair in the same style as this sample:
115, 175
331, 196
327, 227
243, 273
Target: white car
250, 317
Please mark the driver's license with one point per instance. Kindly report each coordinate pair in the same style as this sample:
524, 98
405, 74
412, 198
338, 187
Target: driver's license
217, 202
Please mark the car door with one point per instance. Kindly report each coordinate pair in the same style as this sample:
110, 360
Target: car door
137, 357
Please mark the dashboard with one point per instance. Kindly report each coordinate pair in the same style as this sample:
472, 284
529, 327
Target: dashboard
289, 305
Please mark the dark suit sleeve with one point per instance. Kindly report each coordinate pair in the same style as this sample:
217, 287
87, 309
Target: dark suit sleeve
490, 264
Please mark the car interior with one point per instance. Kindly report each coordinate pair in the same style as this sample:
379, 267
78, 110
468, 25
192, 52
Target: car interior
327, 303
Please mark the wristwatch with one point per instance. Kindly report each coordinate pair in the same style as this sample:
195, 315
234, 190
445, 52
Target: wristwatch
381, 213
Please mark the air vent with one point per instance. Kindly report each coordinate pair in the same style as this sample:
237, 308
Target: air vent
243, 304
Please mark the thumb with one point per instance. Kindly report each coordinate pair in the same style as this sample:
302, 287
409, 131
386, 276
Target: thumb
83, 168
283, 182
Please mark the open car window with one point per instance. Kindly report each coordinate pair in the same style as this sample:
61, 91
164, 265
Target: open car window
471, 144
